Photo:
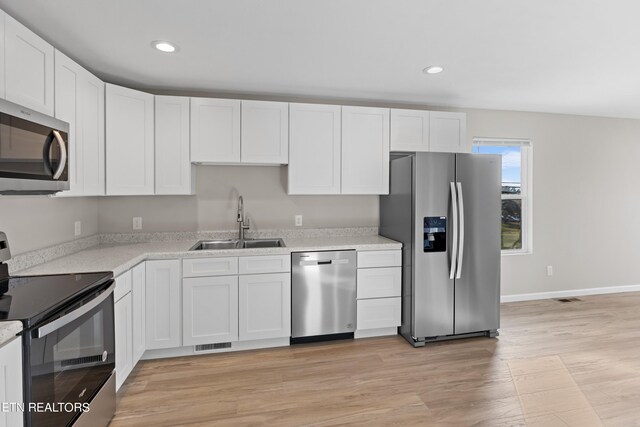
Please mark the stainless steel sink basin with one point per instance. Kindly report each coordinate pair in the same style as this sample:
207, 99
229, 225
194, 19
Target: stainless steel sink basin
207, 245
263, 243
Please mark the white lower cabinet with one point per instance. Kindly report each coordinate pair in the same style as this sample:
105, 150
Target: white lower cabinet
138, 281
129, 313
379, 287
264, 306
210, 310
163, 310
378, 313
221, 306
123, 339
11, 381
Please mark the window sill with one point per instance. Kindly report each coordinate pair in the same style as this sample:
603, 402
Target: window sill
515, 253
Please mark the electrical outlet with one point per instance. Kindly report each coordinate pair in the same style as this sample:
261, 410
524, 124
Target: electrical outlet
137, 223
77, 228
549, 270
298, 220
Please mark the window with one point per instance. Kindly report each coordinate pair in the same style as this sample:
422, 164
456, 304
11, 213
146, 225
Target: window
516, 190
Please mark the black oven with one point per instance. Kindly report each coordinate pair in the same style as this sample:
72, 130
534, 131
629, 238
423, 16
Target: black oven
68, 359
34, 151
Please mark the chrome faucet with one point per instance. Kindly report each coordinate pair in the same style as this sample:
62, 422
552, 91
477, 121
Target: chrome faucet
243, 224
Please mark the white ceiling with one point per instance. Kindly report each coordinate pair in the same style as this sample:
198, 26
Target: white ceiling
569, 56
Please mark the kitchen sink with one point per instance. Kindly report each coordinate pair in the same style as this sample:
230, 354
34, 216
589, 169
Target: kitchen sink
263, 243
208, 245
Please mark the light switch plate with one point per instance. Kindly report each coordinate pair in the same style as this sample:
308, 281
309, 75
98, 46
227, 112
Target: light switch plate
77, 228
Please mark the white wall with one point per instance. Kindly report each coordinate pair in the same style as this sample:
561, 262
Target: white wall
586, 200
214, 207
34, 222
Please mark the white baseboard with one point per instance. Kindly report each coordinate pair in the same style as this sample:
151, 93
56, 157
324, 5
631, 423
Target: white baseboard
570, 293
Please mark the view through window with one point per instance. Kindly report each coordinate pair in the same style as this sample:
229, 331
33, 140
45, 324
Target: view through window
515, 189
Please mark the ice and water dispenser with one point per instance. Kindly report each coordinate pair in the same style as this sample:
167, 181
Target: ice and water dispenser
435, 234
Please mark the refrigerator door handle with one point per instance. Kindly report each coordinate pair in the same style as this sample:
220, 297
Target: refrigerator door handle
454, 239
461, 248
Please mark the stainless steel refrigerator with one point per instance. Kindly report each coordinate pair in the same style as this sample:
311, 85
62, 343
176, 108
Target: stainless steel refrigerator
446, 210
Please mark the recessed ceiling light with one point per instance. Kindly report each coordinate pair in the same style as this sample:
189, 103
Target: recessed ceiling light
433, 69
164, 46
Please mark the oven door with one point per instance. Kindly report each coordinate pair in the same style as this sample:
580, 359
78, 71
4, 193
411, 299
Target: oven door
33, 151
71, 357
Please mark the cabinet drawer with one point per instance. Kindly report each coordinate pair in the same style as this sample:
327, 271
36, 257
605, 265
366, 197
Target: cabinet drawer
199, 267
379, 282
265, 264
380, 259
123, 285
378, 313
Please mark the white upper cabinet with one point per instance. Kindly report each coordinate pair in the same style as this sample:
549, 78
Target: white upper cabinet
447, 132
409, 130
314, 149
265, 132
365, 150
80, 102
130, 141
215, 130
92, 135
28, 68
174, 174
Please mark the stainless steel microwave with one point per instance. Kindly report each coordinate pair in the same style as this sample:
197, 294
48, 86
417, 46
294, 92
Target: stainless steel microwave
34, 152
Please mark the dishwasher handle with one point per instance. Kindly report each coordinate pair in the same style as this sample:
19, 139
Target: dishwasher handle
324, 262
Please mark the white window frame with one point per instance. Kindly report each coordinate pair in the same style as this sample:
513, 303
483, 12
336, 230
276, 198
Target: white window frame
526, 187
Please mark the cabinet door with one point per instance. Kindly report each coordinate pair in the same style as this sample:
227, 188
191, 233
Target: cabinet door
68, 75
378, 313
138, 310
379, 282
365, 150
210, 307
11, 381
123, 339
265, 132
409, 130
173, 164
91, 134
28, 70
215, 130
163, 308
447, 132
264, 306
314, 149
129, 128
80, 102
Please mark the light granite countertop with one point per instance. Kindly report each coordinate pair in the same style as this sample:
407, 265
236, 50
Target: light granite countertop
119, 257
8, 331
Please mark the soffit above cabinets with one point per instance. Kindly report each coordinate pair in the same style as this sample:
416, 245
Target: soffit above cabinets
550, 56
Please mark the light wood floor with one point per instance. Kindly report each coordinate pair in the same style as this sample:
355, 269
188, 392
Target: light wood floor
554, 364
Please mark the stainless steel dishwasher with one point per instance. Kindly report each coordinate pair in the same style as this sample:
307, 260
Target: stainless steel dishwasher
323, 295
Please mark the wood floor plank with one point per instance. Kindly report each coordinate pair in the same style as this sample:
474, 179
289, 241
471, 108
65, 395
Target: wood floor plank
575, 364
